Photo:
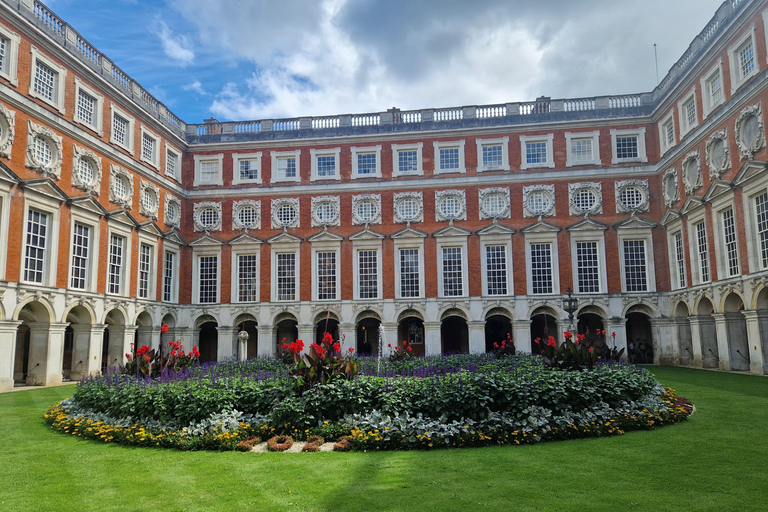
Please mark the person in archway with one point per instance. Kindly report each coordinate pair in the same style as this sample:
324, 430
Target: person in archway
642, 350
632, 352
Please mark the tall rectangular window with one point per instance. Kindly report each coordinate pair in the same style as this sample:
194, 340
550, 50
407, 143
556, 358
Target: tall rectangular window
689, 109
80, 240
541, 268
145, 262
493, 156
680, 260
148, 147
407, 160
761, 211
286, 276
635, 268
581, 150
453, 281
209, 279
168, 272
46, 81
702, 247
715, 89
326, 165
409, 273
366, 163
731, 251
286, 167
588, 270
449, 158
4, 46
536, 152
115, 266
209, 171
326, 275
247, 274
746, 59
626, 146
120, 127
367, 274
86, 107
249, 169
171, 163
37, 236
496, 269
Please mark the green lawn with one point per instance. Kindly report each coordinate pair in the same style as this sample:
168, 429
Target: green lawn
717, 460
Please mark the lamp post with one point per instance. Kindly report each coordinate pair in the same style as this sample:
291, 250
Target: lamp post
242, 338
570, 305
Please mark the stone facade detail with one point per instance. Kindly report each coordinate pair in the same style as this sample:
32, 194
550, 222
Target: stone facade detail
52, 167
93, 185
120, 187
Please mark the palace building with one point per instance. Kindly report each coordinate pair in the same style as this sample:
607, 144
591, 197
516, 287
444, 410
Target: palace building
446, 227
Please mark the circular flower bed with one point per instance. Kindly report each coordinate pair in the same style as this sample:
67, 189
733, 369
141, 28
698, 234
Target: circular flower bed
279, 443
415, 403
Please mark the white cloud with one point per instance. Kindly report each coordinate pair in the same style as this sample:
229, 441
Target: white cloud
175, 46
196, 87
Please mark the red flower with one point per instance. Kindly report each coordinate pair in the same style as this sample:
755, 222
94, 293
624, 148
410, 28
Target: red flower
410, 349
327, 338
337, 347
350, 350
568, 335
397, 348
389, 345
146, 358
164, 328
127, 355
613, 335
405, 342
603, 333
590, 349
495, 345
173, 352
551, 342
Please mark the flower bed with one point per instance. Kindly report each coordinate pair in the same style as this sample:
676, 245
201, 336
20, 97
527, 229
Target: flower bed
417, 403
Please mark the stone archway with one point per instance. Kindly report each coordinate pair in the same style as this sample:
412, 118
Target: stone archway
543, 325
736, 329
498, 327
113, 340
454, 332
704, 323
286, 330
249, 324
81, 344
684, 340
410, 327
207, 338
761, 306
39, 355
367, 333
640, 332
326, 323
591, 324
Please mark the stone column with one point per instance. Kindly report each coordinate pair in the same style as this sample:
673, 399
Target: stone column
664, 350
8, 332
145, 337
307, 335
432, 341
698, 352
86, 350
476, 337
619, 326
266, 341
521, 333
46, 353
226, 343
348, 330
723, 352
754, 340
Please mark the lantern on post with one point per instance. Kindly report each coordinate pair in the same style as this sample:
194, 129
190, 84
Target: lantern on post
570, 305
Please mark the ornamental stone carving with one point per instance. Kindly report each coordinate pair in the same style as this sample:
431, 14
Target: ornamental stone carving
631, 196
750, 131
86, 170
7, 130
494, 203
285, 212
326, 211
670, 187
450, 205
691, 169
149, 199
246, 214
207, 216
585, 198
172, 211
718, 154
43, 151
120, 187
539, 201
408, 207
366, 209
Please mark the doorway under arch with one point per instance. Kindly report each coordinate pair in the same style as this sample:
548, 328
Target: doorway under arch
454, 335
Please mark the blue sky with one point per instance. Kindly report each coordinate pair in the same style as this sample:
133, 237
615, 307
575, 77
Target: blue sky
254, 59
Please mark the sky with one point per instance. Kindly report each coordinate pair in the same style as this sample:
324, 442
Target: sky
269, 59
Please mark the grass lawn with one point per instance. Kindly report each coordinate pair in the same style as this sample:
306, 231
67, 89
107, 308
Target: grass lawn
717, 460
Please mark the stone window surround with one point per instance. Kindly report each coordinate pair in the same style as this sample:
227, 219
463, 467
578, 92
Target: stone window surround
150, 188
707, 105
683, 116
317, 201
236, 157
11, 72
52, 209
438, 145
91, 221
173, 249
244, 249
481, 195
548, 190
720, 205
79, 153
239, 205
733, 58
155, 161
152, 285
314, 153
548, 139
589, 235
169, 222
672, 231
376, 198
549, 237
60, 86
367, 245
169, 152
419, 148
355, 150
440, 195
496, 239
198, 208
399, 197
645, 235
325, 246
594, 135
53, 169
596, 187
277, 155
641, 154
667, 120
114, 109
694, 218
116, 172
8, 126
449, 242
285, 248
125, 271
98, 122
276, 203
504, 141
197, 252
409, 243
199, 159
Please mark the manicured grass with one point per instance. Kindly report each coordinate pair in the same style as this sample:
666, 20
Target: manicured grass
714, 461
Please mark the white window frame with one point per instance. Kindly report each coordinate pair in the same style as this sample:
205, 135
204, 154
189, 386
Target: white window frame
368, 245
695, 218
723, 270
5, 215
449, 242
51, 256
152, 289
409, 243
645, 235
496, 240
174, 299
397, 148
169, 152
504, 142
59, 87
10, 72
286, 248
737, 79
326, 247
277, 155
589, 236
682, 114
236, 158
98, 109
674, 263
542, 238
458, 144
244, 250
667, 121
750, 192
114, 109
314, 154
707, 102
641, 154
198, 252
525, 140
355, 150
199, 159
570, 137
155, 160
92, 266
125, 275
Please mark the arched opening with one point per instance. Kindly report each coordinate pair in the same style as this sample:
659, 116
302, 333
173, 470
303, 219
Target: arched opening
411, 329
639, 332
113, 340
543, 325
143, 334
591, 325
208, 340
69, 346
367, 334
762, 315
497, 328
327, 324
78, 354
707, 333
685, 343
248, 323
286, 331
736, 326
454, 335
21, 363
33, 361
